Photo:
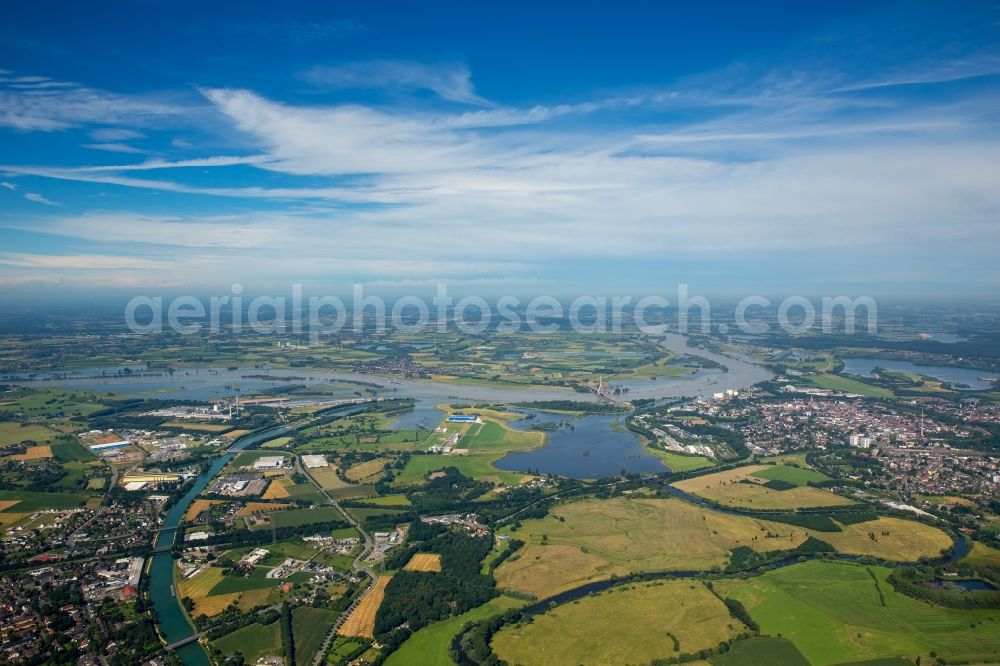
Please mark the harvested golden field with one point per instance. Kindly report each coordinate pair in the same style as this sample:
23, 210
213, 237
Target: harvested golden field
6, 504
8, 518
34, 453
262, 507
277, 489
739, 488
198, 507
233, 434
327, 477
424, 562
627, 624
201, 584
895, 539
367, 471
212, 606
547, 570
361, 621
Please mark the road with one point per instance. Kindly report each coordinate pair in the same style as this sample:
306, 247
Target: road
358, 565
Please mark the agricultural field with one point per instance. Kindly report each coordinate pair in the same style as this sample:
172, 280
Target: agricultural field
198, 507
277, 489
13, 432
743, 487
761, 651
429, 645
309, 627
296, 517
327, 477
424, 562
28, 501
251, 508
33, 453
798, 476
848, 385
388, 500
627, 624
367, 472
678, 462
593, 539
837, 612
50, 403
361, 621
253, 641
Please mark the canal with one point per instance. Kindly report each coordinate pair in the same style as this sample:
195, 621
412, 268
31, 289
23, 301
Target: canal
170, 617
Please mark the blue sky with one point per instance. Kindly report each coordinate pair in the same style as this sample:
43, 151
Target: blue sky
501, 147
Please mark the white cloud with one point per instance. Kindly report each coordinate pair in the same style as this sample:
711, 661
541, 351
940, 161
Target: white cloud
9, 186
38, 198
111, 134
450, 81
115, 148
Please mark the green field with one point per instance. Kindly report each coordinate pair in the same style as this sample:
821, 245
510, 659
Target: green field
309, 627
50, 403
33, 501
762, 651
253, 641
678, 462
797, 475
296, 517
429, 646
627, 624
474, 466
12, 432
389, 500
833, 613
848, 385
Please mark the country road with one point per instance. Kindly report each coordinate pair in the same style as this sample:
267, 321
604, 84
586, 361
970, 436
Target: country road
357, 565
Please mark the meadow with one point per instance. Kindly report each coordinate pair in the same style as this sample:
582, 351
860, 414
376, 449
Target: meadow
627, 624
837, 612
593, 539
309, 627
761, 651
253, 641
13, 432
678, 462
848, 385
429, 645
743, 487
296, 517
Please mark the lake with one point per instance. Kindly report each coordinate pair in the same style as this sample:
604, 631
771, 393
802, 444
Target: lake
970, 377
587, 447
